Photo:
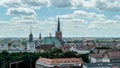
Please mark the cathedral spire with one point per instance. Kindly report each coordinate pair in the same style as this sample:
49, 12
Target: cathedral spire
58, 25
50, 34
40, 36
30, 29
58, 32
30, 35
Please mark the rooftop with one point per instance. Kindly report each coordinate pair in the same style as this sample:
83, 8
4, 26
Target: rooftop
51, 40
102, 64
60, 60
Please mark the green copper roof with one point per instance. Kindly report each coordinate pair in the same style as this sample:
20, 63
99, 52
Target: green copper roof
51, 40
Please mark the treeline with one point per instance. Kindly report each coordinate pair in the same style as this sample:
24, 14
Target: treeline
29, 59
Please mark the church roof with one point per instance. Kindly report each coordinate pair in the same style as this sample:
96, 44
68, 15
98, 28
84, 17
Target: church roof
51, 40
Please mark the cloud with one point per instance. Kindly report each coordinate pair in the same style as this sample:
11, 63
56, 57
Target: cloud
61, 3
89, 24
20, 11
78, 23
117, 17
36, 4
102, 5
108, 5
10, 3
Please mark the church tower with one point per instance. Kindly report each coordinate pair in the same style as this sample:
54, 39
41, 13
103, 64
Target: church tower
40, 36
30, 35
58, 32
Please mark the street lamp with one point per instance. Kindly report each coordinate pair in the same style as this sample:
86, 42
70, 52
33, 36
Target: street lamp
15, 63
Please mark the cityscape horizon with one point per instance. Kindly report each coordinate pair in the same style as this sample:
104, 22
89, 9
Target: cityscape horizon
59, 33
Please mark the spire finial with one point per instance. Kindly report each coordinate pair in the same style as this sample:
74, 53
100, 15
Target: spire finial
30, 29
31, 35
50, 34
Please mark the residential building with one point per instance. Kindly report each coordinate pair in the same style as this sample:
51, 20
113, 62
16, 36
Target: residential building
97, 58
114, 56
101, 65
59, 63
82, 49
110, 56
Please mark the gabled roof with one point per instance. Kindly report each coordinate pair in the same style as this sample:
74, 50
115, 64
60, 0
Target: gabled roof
60, 60
97, 55
114, 54
110, 54
51, 40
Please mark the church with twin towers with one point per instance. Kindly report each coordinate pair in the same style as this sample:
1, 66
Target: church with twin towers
48, 42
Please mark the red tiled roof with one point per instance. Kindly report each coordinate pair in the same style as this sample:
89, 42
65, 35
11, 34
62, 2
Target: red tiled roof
60, 60
114, 54
115, 67
85, 47
97, 55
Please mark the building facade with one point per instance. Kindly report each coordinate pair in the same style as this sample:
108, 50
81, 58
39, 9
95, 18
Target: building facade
59, 63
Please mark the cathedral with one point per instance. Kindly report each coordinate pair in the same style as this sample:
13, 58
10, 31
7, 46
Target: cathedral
50, 42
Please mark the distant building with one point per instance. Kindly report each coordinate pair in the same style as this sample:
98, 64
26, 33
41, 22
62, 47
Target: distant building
31, 47
53, 41
3, 46
97, 58
89, 42
59, 63
101, 65
110, 56
40, 36
114, 56
31, 43
31, 35
16, 45
58, 32
82, 49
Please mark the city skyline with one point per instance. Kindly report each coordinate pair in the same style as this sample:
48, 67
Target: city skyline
78, 18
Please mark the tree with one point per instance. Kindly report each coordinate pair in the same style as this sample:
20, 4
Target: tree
70, 54
85, 57
5, 53
1, 61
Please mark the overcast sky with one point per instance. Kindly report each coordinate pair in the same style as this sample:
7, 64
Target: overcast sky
78, 18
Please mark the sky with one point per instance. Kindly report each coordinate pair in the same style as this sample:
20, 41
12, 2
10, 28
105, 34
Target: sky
78, 18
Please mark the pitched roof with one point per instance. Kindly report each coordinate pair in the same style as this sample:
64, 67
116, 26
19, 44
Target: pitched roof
110, 54
60, 60
97, 55
84, 47
51, 40
114, 54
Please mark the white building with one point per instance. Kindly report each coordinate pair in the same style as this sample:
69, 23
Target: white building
82, 49
96, 58
110, 56
101, 65
3, 46
31, 47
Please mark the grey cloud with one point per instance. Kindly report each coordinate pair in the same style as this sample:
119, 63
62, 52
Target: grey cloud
108, 5
20, 11
61, 3
35, 3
